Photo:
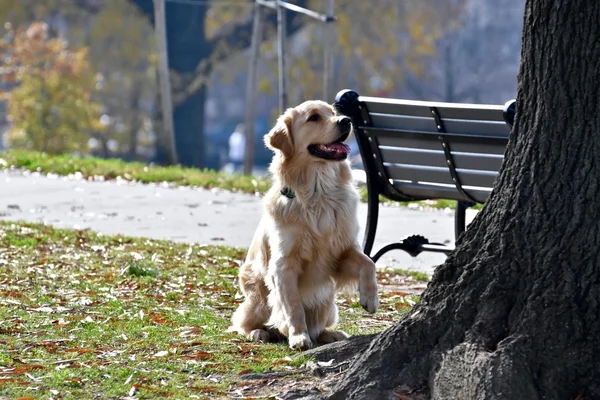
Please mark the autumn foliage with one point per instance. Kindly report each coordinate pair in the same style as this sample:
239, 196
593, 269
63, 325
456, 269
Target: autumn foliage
48, 88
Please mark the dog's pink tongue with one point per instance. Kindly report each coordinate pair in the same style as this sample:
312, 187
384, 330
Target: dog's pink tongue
339, 147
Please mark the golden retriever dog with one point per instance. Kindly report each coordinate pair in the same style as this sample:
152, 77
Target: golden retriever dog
305, 247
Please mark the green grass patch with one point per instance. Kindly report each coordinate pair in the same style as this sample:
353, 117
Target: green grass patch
142, 268
83, 316
110, 169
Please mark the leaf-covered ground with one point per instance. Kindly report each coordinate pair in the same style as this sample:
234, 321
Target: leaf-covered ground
86, 316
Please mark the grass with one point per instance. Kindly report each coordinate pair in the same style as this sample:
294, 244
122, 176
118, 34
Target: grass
86, 316
109, 169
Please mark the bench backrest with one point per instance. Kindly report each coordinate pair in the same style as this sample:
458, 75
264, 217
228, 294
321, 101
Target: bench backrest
428, 150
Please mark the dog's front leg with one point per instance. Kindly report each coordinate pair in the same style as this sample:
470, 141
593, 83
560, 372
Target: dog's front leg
284, 281
354, 265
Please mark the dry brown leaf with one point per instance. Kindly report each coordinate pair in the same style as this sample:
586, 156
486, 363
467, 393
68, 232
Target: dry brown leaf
21, 369
191, 332
199, 355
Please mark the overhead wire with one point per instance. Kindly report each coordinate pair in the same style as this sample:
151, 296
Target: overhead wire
212, 3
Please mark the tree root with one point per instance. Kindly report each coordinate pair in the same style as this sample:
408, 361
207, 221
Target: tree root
342, 350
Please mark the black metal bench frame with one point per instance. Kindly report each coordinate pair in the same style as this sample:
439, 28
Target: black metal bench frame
349, 103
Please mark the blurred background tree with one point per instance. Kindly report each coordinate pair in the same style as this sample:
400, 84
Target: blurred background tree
120, 54
50, 105
123, 51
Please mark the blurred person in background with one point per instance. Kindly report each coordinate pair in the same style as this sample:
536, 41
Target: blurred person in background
237, 147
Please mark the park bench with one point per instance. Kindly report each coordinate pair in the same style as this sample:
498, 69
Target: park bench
417, 150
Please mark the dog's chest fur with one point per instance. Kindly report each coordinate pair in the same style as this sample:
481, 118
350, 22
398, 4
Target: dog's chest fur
319, 224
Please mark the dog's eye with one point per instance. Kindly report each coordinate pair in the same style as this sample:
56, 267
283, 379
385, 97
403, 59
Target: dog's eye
314, 118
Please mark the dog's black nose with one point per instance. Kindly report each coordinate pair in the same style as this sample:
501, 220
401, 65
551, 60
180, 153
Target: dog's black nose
344, 122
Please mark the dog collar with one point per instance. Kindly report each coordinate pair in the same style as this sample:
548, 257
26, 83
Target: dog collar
290, 194
287, 192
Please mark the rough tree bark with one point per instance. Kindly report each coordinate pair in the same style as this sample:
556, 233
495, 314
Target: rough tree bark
514, 312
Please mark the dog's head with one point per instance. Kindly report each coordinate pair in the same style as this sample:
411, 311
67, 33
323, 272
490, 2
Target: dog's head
311, 131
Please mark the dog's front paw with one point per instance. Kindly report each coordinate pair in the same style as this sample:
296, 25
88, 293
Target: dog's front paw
300, 341
367, 288
369, 300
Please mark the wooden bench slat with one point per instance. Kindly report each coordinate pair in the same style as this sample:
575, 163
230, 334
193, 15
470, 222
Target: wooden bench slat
402, 108
438, 192
418, 173
436, 158
427, 174
482, 128
475, 161
421, 109
403, 155
452, 126
417, 140
408, 122
405, 139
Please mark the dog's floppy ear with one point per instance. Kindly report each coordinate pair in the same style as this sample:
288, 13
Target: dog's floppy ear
280, 137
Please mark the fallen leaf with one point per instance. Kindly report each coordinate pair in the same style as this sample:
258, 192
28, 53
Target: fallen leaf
138, 386
325, 363
21, 369
205, 389
161, 353
158, 319
191, 332
199, 355
77, 381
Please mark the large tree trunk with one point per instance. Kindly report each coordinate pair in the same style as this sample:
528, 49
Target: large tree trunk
187, 46
189, 126
514, 312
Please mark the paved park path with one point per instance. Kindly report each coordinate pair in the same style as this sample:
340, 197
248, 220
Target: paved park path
187, 214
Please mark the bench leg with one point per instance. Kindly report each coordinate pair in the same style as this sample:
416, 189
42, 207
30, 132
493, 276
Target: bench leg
372, 218
459, 218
